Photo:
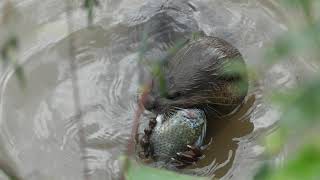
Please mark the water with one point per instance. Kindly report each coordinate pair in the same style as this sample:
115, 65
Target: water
39, 126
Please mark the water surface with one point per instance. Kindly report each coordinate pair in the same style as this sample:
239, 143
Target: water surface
39, 126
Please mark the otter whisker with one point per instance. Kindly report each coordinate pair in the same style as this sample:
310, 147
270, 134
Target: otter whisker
178, 108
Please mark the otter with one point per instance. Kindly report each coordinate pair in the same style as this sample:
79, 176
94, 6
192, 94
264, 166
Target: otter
208, 74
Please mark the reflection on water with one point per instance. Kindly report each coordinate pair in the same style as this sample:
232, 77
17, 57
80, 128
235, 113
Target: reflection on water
224, 132
38, 123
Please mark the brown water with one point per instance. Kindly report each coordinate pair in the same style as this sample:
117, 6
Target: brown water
38, 124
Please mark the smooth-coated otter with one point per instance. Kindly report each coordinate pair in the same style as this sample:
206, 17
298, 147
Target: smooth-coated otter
208, 73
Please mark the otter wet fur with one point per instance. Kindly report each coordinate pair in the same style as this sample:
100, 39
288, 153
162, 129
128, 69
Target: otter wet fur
208, 73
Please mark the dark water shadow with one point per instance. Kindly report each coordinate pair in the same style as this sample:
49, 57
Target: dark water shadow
224, 131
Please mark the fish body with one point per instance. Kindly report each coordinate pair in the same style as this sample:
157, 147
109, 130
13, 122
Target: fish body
172, 134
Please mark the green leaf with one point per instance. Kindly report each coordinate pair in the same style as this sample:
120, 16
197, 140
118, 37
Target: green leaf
263, 172
305, 40
19, 72
305, 5
300, 106
140, 172
196, 35
89, 5
275, 141
9, 46
306, 165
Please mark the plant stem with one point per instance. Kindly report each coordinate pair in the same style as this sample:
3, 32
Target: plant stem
75, 89
135, 127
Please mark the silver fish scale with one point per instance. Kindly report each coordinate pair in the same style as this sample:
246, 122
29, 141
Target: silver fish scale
173, 134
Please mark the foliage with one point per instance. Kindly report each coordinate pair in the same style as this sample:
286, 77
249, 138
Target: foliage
140, 172
10, 46
89, 6
300, 119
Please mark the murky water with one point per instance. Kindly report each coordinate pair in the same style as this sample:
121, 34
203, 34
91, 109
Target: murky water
39, 126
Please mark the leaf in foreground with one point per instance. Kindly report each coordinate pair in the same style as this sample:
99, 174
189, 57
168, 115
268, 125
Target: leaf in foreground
139, 172
305, 166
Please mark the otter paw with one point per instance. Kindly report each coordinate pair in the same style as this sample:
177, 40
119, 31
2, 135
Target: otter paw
191, 156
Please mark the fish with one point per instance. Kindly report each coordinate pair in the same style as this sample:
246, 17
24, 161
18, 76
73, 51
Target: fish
173, 133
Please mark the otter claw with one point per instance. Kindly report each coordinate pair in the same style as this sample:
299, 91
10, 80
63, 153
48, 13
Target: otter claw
188, 155
180, 163
195, 150
191, 156
204, 147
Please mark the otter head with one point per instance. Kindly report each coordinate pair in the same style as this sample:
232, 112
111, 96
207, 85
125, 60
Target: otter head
199, 76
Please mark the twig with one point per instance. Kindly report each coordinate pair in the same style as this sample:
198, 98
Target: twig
134, 131
75, 89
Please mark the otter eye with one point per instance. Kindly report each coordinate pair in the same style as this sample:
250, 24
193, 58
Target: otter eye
174, 95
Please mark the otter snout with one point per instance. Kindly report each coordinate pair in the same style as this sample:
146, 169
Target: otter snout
156, 105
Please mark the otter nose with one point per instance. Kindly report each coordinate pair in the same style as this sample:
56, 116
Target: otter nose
149, 103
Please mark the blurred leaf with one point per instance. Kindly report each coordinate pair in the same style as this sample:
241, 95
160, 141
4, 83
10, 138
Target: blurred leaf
263, 172
282, 47
305, 5
8, 56
143, 48
139, 172
300, 114
19, 72
89, 5
274, 142
295, 43
306, 165
173, 50
196, 35
235, 67
158, 73
157, 67
304, 109
300, 106
10, 45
